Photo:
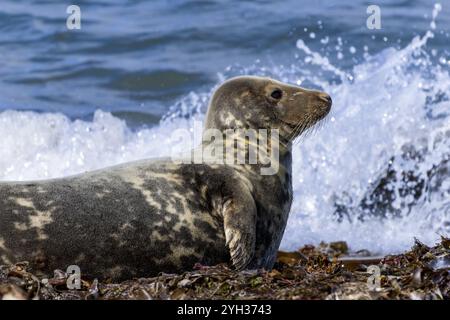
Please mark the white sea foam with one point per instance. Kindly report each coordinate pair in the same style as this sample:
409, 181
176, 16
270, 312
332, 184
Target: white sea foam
391, 100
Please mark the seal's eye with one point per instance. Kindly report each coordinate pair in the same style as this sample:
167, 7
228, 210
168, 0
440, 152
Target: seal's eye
276, 94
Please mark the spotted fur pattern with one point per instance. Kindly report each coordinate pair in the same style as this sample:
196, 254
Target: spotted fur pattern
146, 217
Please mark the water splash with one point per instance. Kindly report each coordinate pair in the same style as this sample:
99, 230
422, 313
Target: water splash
396, 101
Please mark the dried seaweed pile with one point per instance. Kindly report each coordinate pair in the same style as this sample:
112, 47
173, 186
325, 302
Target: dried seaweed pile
327, 271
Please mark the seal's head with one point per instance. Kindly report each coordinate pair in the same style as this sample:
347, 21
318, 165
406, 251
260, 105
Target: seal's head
264, 103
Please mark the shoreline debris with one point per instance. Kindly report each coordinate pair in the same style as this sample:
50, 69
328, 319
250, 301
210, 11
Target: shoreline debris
326, 271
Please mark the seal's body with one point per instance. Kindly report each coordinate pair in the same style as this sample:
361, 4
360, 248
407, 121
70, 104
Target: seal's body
146, 217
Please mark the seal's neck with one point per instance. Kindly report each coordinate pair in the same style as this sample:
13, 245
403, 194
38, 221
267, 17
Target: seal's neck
256, 152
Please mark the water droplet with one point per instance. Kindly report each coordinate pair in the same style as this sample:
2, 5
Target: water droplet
324, 40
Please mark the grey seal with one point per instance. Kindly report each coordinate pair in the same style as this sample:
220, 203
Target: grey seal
141, 218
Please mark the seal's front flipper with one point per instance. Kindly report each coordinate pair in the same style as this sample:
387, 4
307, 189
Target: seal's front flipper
239, 212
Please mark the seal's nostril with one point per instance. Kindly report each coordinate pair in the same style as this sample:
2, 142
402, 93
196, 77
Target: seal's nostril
327, 98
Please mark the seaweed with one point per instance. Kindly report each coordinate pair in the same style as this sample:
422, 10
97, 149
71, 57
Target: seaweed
326, 271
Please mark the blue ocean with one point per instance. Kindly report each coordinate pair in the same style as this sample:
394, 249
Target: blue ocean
114, 90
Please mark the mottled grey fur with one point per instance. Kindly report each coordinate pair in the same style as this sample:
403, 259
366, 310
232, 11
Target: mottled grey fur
146, 217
